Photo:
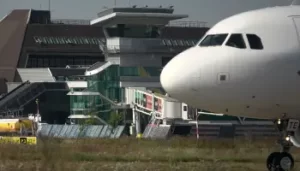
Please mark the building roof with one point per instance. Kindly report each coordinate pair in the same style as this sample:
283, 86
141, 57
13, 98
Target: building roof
136, 10
12, 30
144, 15
137, 18
35, 75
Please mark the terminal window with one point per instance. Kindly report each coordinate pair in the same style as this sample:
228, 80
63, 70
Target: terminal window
133, 31
165, 60
140, 71
184, 108
36, 61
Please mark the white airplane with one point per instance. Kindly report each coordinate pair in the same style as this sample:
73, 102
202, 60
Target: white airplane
246, 65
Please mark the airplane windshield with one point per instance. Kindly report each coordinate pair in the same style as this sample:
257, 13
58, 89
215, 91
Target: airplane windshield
213, 40
237, 41
254, 41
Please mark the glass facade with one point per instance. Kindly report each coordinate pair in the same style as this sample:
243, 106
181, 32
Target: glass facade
107, 83
133, 31
82, 104
140, 71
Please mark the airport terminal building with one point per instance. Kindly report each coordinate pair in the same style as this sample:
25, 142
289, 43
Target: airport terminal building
34, 53
65, 63
109, 64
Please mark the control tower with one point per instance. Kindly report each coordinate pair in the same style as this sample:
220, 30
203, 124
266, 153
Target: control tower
122, 22
136, 49
133, 41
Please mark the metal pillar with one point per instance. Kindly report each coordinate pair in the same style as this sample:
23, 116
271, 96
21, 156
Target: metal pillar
137, 119
133, 129
197, 124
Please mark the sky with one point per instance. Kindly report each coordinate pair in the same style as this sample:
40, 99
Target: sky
210, 11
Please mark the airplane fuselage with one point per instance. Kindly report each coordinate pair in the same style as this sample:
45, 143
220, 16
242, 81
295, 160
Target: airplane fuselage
250, 82
247, 65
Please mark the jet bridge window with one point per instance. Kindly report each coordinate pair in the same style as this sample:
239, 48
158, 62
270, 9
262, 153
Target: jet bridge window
237, 41
254, 41
213, 40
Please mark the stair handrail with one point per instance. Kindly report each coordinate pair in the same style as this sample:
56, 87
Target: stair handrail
15, 89
152, 120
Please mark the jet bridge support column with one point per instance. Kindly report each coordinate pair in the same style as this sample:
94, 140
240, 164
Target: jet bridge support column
137, 120
133, 124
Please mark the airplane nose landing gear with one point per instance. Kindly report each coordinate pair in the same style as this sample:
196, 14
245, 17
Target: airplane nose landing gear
280, 162
283, 161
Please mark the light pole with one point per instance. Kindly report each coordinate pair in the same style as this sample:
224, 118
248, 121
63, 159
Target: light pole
37, 106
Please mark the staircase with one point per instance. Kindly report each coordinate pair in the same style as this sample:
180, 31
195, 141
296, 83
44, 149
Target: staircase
20, 96
36, 74
157, 131
25, 93
154, 130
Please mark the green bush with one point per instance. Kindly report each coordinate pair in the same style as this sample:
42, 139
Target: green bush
115, 119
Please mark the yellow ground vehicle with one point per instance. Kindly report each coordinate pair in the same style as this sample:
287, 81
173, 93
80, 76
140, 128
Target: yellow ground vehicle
19, 130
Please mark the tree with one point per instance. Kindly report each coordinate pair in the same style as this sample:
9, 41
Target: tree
115, 119
87, 122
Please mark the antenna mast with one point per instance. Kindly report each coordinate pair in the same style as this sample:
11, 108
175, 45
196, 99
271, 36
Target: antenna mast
49, 5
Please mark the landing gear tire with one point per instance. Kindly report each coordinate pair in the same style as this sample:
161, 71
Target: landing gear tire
280, 162
270, 159
283, 161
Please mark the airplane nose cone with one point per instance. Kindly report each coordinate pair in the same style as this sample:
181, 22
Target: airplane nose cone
181, 77
171, 77
167, 79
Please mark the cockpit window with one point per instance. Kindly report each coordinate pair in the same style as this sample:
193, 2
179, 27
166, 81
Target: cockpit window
237, 41
254, 41
213, 40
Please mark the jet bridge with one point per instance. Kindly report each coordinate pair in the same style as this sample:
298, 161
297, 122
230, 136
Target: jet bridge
168, 116
162, 110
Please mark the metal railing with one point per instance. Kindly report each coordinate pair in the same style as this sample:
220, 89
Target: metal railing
78, 131
78, 66
71, 21
187, 24
184, 23
95, 66
219, 131
11, 113
142, 49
